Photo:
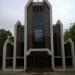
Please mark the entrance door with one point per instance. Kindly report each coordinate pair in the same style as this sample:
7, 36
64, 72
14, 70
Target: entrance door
39, 63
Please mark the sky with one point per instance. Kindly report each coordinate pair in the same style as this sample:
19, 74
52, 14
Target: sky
13, 10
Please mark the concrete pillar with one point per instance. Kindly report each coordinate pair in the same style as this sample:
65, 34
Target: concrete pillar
52, 48
72, 49
14, 51
25, 33
4, 57
4, 54
62, 43
51, 32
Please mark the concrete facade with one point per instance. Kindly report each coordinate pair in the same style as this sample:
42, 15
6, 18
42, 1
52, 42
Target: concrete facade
51, 48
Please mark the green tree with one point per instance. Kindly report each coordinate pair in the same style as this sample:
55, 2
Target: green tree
70, 33
3, 36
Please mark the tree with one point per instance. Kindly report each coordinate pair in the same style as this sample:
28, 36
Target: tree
3, 36
70, 33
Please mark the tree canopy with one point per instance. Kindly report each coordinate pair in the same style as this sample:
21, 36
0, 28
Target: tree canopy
70, 33
3, 36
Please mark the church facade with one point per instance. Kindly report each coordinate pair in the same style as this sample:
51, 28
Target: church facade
38, 45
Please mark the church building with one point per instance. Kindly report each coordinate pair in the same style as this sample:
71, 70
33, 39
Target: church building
38, 44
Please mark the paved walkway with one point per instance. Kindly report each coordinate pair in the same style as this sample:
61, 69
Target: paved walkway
51, 73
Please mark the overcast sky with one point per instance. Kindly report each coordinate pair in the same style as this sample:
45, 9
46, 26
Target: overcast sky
13, 10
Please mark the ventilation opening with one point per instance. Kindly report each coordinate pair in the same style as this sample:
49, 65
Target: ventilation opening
38, 8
